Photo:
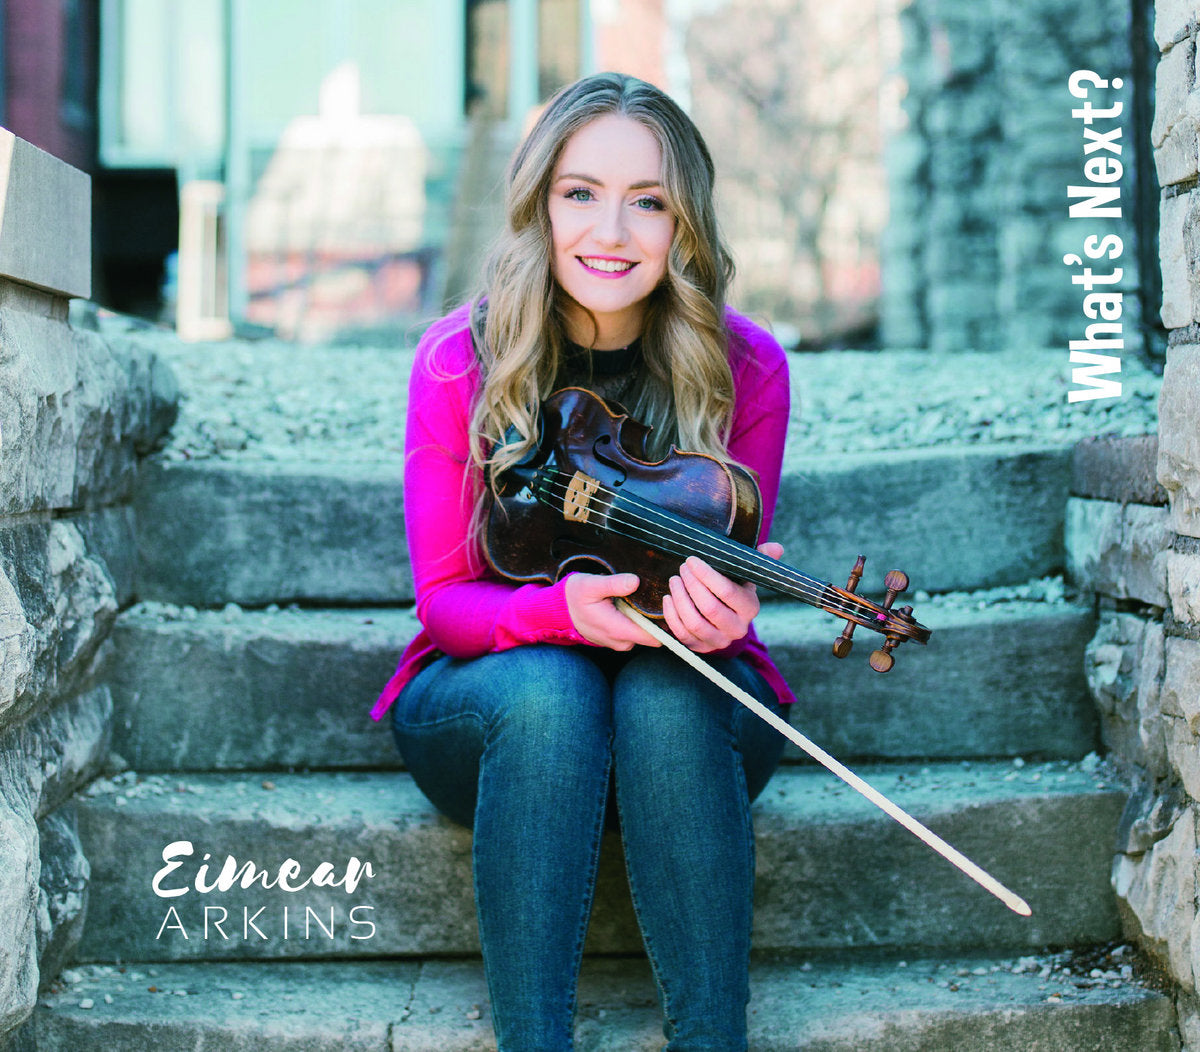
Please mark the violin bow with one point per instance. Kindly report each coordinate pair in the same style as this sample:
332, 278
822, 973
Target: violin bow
984, 879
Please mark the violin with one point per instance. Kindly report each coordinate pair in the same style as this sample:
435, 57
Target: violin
587, 497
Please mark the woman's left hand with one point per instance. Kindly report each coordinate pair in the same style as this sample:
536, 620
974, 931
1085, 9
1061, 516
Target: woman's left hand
706, 611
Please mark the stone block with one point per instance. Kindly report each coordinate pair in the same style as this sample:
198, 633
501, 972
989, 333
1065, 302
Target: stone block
1124, 666
18, 912
1179, 437
1173, 20
45, 220
1118, 550
1173, 85
1181, 685
1176, 223
833, 871
941, 701
1119, 469
1176, 160
1157, 890
1187, 1016
1149, 816
996, 515
1180, 704
316, 532
1183, 586
110, 536
1183, 752
62, 892
77, 411
973, 1003
41, 763
57, 604
45, 760
186, 683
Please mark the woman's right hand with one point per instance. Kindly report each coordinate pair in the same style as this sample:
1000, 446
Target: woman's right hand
590, 604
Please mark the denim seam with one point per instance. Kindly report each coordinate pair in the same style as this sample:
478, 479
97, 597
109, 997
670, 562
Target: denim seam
407, 725
590, 883
666, 994
589, 899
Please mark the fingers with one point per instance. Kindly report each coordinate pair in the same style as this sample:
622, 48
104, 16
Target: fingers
705, 610
606, 586
590, 604
772, 548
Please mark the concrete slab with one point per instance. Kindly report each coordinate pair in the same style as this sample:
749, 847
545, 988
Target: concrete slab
975, 517
833, 871
45, 220
952, 519
999, 678
323, 532
1120, 469
825, 1004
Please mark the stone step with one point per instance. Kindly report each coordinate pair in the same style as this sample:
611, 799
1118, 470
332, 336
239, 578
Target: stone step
1000, 678
826, 1004
833, 871
212, 532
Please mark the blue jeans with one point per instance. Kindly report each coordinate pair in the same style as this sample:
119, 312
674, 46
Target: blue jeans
520, 746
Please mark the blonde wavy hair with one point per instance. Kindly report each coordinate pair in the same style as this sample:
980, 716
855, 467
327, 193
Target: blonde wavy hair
518, 321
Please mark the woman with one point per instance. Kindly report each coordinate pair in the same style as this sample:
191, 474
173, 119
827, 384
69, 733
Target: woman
516, 704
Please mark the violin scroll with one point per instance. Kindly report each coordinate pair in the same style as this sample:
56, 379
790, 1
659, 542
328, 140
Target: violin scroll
896, 625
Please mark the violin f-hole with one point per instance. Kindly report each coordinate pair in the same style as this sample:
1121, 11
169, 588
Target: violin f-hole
607, 460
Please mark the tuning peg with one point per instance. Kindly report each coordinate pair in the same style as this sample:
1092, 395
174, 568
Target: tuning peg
882, 660
843, 643
895, 582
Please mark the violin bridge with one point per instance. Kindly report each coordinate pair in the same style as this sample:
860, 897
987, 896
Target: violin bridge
577, 502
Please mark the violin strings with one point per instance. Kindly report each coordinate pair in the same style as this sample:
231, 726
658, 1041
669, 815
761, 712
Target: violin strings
693, 540
771, 571
694, 536
691, 536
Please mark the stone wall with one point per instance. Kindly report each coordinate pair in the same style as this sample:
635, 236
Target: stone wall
76, 412
972, 257
1134, 540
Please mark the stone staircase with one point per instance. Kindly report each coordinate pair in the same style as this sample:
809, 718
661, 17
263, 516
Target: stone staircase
273, 611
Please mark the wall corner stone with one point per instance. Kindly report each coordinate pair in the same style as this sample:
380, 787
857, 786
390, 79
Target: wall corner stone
45, 220
77, 411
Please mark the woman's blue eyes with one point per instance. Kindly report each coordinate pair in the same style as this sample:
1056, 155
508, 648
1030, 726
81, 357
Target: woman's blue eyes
645, 204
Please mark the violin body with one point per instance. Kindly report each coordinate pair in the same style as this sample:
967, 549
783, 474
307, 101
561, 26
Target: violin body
587, 498
582, 433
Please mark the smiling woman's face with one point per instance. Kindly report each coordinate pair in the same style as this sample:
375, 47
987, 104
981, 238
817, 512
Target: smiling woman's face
611, 228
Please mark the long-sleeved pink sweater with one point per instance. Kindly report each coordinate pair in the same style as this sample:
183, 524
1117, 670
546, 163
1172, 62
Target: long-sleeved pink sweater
464, 609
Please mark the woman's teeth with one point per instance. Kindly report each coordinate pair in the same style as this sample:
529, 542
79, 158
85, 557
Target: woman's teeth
611, 266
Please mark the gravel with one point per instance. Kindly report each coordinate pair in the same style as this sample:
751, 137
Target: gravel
268, 400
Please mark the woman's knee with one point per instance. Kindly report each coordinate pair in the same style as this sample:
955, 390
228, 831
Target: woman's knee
550, 693
657, 693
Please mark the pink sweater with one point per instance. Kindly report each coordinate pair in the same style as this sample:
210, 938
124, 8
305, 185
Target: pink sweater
464, 609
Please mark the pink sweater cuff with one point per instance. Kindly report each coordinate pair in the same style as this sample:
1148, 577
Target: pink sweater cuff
542, 617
